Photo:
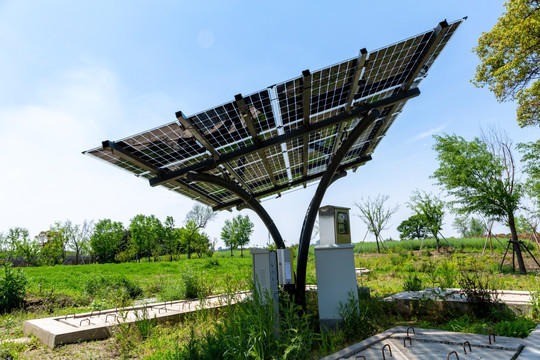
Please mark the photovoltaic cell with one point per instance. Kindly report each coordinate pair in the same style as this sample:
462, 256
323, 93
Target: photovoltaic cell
224, 140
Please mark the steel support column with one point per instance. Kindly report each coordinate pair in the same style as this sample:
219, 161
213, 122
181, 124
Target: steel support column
244, 195
311, 214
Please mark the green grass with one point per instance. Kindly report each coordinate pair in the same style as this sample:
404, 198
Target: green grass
204, 331
71, 280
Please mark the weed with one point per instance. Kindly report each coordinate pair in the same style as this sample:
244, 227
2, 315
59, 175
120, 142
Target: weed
412, 283
479, 292
12, 289
356, 324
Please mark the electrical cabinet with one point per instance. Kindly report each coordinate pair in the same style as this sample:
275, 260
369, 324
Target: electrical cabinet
334, 225
265, 272
285, 267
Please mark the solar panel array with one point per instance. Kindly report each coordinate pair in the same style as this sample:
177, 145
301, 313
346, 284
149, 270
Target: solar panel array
223, 140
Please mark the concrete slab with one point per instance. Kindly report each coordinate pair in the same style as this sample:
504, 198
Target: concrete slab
427, 344
519, 301
97, 325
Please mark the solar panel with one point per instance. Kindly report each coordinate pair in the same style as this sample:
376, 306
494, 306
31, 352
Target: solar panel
286, 135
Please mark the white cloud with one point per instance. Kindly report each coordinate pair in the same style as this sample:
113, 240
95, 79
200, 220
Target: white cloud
45, 176
428, 133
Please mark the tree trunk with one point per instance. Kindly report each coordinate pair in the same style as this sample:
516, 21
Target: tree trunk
515, 241
76, 256
377, 240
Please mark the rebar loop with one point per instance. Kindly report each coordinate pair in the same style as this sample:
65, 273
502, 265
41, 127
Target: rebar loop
410, 341
389, 349
467, 343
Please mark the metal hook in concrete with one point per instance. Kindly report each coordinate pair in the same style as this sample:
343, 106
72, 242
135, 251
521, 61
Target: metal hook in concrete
466, 343
489, 338
450, 353
389, 349
413, 331
410, 341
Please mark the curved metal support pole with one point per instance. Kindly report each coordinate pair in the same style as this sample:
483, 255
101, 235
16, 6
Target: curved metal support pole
311, 214
244, 195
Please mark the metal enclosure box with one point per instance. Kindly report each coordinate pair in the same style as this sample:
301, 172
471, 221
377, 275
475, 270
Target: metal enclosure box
265, 275
285, 267
336, 281
334, 225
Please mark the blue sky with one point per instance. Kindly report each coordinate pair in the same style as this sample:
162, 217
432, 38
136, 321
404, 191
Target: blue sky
74, 73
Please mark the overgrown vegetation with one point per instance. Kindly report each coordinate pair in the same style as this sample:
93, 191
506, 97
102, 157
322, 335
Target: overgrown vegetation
12, 289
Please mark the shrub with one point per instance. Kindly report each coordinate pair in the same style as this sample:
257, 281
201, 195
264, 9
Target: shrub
12, 289
479, 292
356, 324
412, 283
113, 286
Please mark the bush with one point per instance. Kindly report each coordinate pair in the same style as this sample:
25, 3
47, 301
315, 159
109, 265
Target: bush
412, 283
106, 286
12, 289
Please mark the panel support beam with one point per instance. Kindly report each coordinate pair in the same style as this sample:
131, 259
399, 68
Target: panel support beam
438, 34
184, 122
293, 134
306, 113
311, 214
358, 73
247, 198
250, 123
343, 168
134, 159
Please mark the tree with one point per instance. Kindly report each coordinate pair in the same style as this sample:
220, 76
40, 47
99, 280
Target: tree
531, 160
27, 248
236, 233
146, 234
509, 55
415, 227
375, 215
227, 236
77, 237
106, 241
243, 230
481, 177
432, 208
13, 239
468, 227
197, 218
57, 235
170, 237
51, 248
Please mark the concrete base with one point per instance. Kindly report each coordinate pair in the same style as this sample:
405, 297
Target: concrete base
408, 302
98, 325
422, 344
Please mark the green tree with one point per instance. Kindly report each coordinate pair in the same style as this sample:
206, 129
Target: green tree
468, 227
375, 215
29, 250
51, 249
531, 161
432, 209
509, 57
480, 176
197, 218
13, 239
77, 237
146, 234
170, 237
227, 236
415, 227
106, 240
243, 229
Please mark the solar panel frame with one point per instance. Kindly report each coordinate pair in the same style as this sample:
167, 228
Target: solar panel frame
232, 150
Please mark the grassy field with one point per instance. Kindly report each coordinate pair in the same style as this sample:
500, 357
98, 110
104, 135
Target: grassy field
70, 289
